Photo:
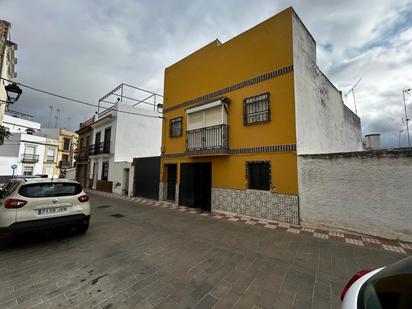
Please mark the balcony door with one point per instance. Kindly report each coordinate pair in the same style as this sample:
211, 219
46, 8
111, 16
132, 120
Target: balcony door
107, 137
29, 154
171, 182
97, 138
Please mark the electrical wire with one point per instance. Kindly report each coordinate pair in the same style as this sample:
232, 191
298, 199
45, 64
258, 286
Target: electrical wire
77, 101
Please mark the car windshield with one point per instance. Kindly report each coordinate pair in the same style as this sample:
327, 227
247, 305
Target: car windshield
50, 189
389, 288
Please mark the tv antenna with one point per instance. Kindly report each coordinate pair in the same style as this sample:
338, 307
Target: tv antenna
406, 90
50, 115
57, 116
353, 94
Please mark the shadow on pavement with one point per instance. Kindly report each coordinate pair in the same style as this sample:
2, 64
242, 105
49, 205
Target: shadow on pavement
43, 238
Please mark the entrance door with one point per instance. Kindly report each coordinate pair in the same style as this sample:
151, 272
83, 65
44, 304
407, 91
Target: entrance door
125, 181
196, 185
171, 182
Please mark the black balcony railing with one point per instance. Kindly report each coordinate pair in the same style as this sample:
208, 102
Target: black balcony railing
29, 158
81, 154
100, 148
208, 140
65, 164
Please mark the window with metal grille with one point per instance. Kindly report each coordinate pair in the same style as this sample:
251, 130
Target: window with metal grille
176, 127
105, 171
258, 175
50, 155
27, 170
256, 109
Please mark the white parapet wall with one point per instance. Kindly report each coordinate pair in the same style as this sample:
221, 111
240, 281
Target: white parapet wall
324, 123
368, 192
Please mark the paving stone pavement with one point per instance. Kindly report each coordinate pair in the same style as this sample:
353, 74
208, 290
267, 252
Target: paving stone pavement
135, 256
338, 235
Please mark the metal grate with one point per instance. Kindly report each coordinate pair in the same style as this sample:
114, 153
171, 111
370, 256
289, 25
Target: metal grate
208, 138
117, 215
256, 109
176, 127
259, 176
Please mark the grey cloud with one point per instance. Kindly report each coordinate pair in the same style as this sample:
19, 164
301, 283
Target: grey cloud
83, 49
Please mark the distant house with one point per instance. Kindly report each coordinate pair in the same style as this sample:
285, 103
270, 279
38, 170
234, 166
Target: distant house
82, 153
26, 148
67, 145
109, 142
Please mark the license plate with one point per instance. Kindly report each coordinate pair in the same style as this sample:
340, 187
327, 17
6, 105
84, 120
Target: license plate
46, 211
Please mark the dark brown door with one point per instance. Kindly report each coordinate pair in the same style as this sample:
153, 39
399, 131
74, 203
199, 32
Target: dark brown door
196, 185
171, 182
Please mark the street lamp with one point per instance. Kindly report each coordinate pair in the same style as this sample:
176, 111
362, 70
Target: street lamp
406, 113
13, 92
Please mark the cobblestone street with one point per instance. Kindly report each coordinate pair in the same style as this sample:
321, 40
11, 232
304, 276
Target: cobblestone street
143, 257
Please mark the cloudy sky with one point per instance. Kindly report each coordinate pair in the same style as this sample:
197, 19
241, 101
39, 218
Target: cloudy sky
83, 49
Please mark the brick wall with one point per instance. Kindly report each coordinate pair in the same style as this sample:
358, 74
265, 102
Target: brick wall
369, 192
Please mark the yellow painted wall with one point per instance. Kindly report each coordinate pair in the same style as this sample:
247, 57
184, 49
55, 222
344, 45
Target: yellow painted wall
230, 171
262, 49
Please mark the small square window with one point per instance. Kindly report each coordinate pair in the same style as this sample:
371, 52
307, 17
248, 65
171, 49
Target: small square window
176, 127
258, 175
28, 170
256, 109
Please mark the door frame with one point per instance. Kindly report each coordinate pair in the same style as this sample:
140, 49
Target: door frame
168, 188
126, 181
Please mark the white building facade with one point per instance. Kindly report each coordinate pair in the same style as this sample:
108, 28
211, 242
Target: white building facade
7, 63
119, 135
25, 149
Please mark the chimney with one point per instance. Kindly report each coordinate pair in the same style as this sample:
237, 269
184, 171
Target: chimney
372, 141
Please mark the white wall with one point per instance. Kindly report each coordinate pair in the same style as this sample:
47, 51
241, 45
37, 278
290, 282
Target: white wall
369, 192
101, 127
115, 173
132, 136
13, 149
137, 136
18, 125
116, 170
39, 143
323, 123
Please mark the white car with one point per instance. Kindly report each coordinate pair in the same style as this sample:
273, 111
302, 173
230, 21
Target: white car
36, 204
385, 287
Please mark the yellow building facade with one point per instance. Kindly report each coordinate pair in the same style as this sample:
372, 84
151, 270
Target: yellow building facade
67, 145
229, 129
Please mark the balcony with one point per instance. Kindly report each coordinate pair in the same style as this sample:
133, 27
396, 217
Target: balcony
100, 148
29, 158
64, 164
81, 154
208, 140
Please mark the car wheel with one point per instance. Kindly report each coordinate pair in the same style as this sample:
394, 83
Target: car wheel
82, 229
